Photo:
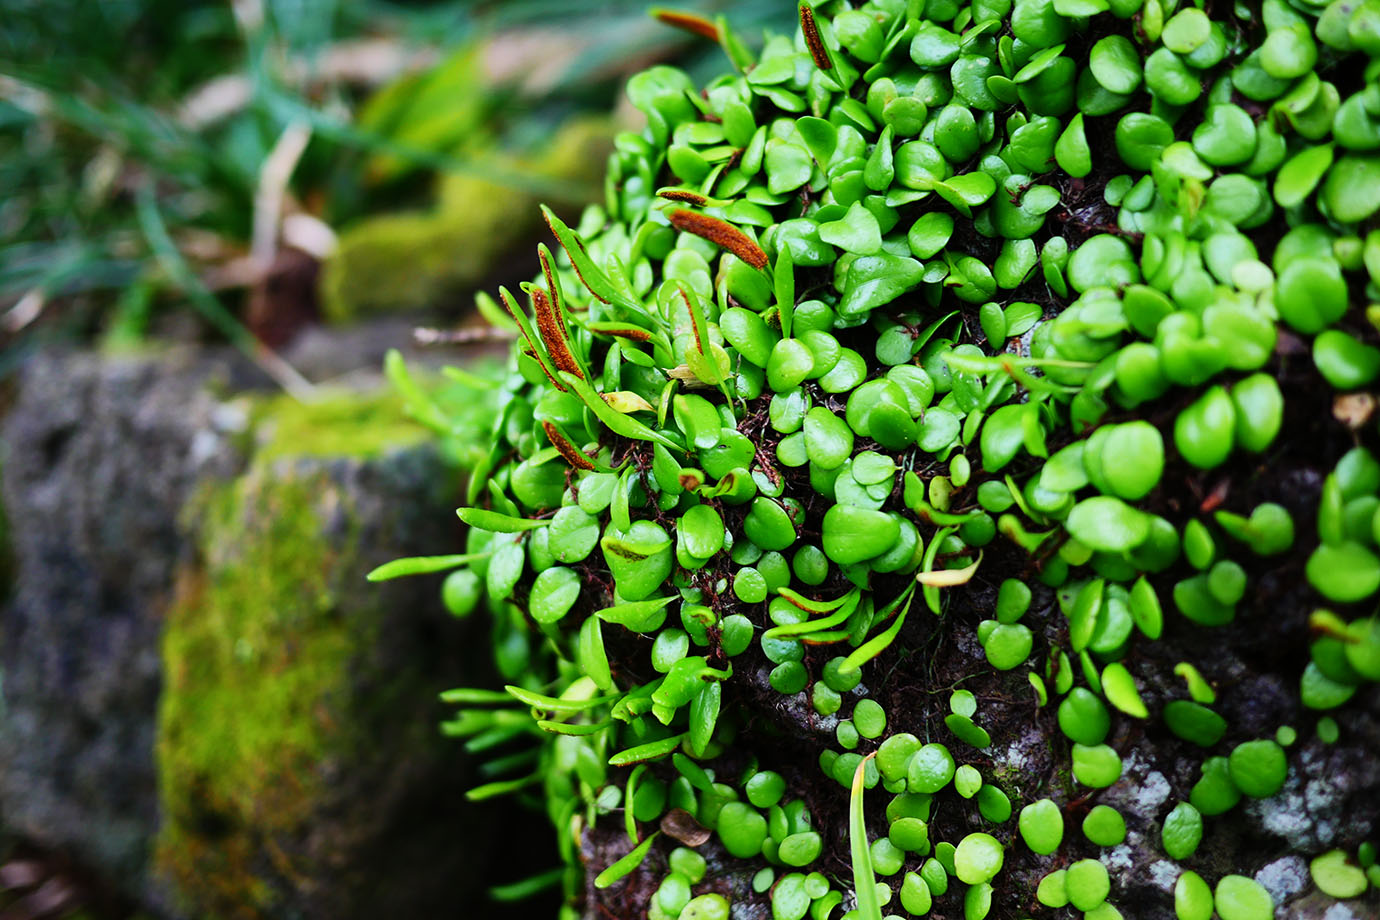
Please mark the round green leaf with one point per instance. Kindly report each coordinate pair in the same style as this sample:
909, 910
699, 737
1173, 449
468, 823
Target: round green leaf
1108, 524
554, 592
1041, 825
978, 859
1241, 898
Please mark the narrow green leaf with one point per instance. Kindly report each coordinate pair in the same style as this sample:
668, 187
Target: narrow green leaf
482, 519
704, 714
615, 421
529, 332
502, 787
590, 654
590, 274
464, 377
626, 865
878, 643
812, 606
567, 728
652, 750
416, 400
553, 704
528, 887
844, 609
784, 278
422, 565
697, 318
629, 798
864, 880
469, 696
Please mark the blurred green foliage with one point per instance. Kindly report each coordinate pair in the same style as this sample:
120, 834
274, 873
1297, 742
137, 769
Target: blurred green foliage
111, 146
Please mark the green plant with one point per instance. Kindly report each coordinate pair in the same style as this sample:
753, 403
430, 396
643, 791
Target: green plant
139, 173
938, 321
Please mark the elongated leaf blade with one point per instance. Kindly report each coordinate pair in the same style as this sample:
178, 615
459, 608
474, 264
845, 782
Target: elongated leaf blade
864, 879
482, 519
421, 565
553, 704
624, 866
591, 275
652, 750
615, 421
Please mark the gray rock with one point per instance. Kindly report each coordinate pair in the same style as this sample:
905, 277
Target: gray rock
139, 512
100, 455
301, 771
1284, 878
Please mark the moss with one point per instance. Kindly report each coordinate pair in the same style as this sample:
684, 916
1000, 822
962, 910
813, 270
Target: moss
417, 261
253, 657
348, 424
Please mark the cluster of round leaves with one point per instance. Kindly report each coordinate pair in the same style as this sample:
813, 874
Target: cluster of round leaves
1345, 569
817, 351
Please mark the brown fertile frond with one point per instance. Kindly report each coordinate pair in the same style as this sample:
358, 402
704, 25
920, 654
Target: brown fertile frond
721, 233
532, 353
552, 329
528, 343
682, 194
574, 263
694, 326
543, 254
512, 308
810, 31
621, 330
697, 25
567, 450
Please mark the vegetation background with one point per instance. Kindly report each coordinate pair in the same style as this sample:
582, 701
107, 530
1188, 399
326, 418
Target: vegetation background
157, 157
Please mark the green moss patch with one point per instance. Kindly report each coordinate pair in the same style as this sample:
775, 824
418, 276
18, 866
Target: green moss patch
254, 703
348, 424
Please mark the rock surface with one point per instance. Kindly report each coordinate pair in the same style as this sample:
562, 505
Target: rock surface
100, 457
204, 702
300, 768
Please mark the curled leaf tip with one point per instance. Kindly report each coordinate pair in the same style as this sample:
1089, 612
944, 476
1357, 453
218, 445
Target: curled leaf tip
626, 401
810, 31
948, 578
721, 233
696, 25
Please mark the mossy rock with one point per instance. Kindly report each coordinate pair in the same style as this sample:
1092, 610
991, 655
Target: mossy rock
344, 424
426, 260
296, 743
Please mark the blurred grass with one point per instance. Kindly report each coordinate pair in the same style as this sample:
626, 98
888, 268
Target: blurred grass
131, 126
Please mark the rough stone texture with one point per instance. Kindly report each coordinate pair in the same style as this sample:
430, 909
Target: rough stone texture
100, 455
151, 494
300, 767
